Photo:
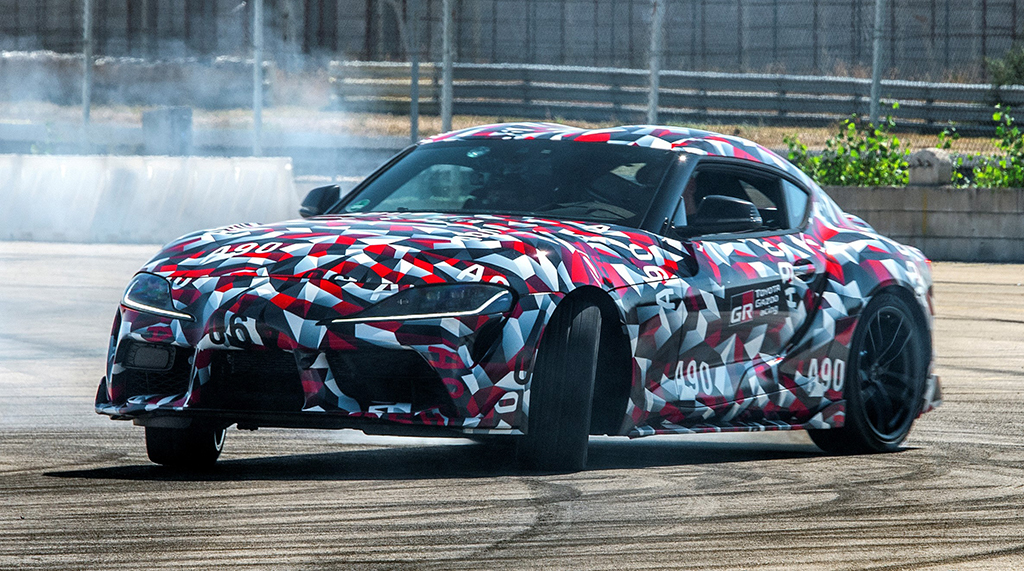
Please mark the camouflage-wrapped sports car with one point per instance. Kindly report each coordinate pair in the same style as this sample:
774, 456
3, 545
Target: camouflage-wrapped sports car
539, 282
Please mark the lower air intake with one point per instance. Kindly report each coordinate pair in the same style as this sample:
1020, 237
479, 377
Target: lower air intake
265, 380
373, 375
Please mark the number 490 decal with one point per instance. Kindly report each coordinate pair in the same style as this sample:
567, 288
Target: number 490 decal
696, 376
829, 373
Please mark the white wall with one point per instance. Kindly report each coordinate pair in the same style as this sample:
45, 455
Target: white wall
138, 199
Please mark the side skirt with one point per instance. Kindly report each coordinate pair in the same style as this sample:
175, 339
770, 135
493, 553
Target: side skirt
834, 416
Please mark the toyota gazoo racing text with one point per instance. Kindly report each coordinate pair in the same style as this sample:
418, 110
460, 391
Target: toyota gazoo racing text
542, 283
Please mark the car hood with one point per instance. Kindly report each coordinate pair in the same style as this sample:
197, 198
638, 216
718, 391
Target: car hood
403, 250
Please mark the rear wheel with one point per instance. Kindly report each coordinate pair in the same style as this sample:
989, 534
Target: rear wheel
561, 392
884, 381
192, 447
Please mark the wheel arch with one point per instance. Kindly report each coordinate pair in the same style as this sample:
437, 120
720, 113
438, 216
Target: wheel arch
905, 293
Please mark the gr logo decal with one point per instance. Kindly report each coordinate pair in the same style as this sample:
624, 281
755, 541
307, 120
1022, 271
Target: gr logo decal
742, 313
759, 302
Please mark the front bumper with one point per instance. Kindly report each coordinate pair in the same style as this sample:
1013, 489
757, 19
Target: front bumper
429, 376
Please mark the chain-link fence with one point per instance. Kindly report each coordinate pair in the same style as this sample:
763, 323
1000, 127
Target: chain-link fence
932, 40
766, 62
785, 62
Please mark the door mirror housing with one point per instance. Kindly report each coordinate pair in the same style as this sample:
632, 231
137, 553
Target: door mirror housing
719, 214
319, 199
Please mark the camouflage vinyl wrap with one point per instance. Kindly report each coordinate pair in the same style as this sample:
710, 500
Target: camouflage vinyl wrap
724, 335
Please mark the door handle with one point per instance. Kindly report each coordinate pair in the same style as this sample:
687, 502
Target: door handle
803, 269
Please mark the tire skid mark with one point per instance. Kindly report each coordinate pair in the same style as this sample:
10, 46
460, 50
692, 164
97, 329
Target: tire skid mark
974, 557
550, 500
988, 371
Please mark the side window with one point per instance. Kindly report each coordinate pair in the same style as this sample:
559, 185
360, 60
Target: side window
763, 190
796, 204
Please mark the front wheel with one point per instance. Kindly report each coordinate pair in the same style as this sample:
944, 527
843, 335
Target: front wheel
192, 447
884, 382
561, 392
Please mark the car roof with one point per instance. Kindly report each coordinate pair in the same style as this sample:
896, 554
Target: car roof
681, 139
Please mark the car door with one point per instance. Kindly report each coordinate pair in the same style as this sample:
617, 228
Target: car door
751, 290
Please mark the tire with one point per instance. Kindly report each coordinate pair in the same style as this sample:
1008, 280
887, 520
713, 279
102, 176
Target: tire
884, 381
561, 392
190, 448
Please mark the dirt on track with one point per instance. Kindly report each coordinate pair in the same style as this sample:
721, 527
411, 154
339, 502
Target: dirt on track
76, 490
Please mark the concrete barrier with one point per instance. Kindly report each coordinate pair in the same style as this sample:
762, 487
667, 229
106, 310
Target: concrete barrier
127, 199
946, 223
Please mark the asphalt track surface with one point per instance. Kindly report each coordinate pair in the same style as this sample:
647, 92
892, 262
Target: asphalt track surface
76, 489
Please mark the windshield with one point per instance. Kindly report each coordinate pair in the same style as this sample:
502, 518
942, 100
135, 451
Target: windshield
555, 179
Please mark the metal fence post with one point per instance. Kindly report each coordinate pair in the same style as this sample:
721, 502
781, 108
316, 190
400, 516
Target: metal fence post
447, 29
739, 35
87, 58
414, 75
257, 77
657, 45
876, 62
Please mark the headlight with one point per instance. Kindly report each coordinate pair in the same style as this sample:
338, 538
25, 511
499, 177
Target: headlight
151, 294
428, 302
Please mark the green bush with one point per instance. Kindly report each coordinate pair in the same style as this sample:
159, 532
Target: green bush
947, 137
864, 155
1008, 70
861, 154
1006, 170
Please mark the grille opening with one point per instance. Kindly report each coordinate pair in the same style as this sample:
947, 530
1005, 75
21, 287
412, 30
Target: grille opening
373, 375
172, 380
266, 380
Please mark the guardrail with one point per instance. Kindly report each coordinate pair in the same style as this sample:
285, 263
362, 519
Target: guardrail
617, 94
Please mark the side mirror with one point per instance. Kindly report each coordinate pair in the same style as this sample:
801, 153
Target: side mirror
718, 214
319, 199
